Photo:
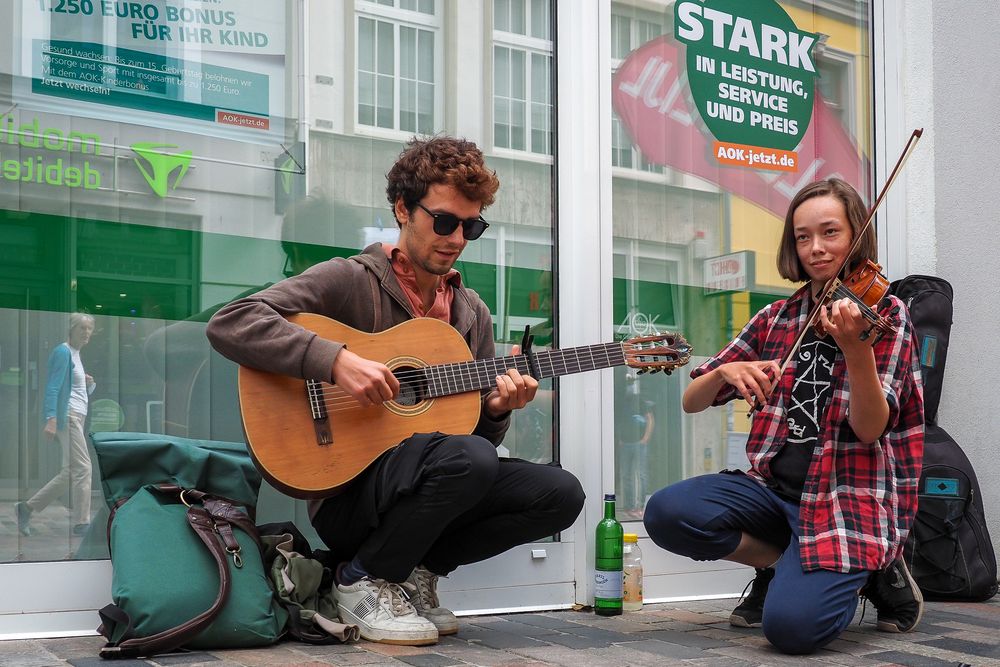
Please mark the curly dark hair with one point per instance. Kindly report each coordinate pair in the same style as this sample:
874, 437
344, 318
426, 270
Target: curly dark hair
440, 160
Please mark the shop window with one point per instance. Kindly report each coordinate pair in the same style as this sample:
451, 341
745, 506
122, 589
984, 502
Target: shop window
397, 77
522, 76
628, 34
836, 84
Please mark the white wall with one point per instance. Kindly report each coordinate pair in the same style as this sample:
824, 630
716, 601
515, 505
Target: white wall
950, 81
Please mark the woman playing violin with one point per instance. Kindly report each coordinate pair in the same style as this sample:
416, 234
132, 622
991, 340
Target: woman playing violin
834, 449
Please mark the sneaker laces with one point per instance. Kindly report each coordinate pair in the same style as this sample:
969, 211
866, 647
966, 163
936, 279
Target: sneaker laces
393, 599
425, 586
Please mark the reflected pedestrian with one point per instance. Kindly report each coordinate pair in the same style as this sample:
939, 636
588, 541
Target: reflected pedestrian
67, 395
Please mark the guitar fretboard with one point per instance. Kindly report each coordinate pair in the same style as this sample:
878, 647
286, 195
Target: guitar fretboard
447, 379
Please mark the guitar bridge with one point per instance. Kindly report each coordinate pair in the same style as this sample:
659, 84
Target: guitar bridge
317, 405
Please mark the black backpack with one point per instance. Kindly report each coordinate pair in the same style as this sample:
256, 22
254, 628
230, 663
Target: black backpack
949, 552
928, 299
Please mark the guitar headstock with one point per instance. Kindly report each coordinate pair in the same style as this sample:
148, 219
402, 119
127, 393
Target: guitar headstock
661, 352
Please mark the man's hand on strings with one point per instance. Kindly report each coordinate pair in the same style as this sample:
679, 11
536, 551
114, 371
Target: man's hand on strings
369, 382
513, 391
751, 378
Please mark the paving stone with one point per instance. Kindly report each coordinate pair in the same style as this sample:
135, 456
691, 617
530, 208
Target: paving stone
428, 660
682, 638
541, 621
91, 662
512, 626
272, 655
322, 650
694, 635
625, 656
911, 659
497, 639
184, 658
479, 655
577, 642
983, 620
666, 649
601, 634
74, 647
962, 646
719, 661
394, 650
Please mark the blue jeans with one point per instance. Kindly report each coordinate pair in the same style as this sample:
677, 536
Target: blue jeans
705, 517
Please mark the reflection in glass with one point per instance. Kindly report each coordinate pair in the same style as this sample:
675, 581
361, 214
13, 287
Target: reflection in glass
675, 221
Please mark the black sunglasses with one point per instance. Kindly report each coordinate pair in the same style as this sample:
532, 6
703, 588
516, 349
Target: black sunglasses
445, 224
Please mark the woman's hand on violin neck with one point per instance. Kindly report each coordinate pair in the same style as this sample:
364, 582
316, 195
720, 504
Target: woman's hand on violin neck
752, 379
843, 320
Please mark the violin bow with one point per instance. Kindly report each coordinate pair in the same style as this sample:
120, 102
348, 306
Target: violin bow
832, 283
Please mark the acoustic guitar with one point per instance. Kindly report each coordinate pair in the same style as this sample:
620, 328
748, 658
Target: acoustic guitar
309, 438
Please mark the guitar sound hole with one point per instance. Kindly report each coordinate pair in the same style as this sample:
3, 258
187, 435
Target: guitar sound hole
412, 385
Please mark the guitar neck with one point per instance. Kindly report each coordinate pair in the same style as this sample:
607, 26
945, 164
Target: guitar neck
457, 378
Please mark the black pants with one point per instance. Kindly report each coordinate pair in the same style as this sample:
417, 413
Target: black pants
445, 501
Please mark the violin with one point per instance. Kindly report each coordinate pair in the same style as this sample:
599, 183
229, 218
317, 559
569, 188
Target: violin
864, 285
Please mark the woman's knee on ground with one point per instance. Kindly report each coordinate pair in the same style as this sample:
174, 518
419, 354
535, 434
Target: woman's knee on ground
796, 628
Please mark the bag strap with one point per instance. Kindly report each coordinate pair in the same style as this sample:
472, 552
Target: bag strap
210, 522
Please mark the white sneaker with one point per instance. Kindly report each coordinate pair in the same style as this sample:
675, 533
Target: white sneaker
383, 613
424, 597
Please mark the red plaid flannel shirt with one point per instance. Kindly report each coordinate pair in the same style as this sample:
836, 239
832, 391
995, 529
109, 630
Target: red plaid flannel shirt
859, 499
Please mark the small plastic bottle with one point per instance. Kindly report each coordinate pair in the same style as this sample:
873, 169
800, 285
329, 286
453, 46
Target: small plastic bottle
632, 569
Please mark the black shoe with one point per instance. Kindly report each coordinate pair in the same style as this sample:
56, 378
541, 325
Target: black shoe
23, 513
750, 612
896, 597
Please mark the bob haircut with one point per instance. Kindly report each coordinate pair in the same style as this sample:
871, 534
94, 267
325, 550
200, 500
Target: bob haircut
440, 160
789, 266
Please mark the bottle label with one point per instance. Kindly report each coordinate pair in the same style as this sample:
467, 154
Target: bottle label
608, 585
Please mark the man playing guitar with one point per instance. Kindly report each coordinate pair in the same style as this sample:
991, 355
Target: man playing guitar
435, 501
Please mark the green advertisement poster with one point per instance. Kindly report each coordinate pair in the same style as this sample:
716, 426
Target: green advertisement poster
217, 66
751, 73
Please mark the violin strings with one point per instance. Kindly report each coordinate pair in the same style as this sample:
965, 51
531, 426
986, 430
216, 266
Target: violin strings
866, 311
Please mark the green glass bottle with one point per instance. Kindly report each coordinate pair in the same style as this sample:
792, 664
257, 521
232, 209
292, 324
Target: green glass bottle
608, 562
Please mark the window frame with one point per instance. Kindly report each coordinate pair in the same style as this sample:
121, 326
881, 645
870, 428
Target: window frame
365, 9
530, 46
640, 168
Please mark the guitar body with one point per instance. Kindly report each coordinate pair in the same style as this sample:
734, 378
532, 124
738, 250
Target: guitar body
278, 411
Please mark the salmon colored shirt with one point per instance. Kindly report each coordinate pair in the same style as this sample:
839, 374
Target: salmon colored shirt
401, 266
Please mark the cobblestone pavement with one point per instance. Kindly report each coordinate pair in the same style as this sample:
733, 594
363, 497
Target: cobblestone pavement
689, 633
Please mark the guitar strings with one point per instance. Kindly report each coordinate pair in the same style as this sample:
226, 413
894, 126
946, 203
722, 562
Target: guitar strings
335, 399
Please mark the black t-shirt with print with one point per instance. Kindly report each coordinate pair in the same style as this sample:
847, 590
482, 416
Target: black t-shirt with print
804, 414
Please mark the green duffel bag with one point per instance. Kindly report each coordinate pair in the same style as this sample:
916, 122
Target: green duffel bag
187, 566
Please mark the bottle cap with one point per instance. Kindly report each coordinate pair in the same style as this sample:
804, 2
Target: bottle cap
609, 496
630, 537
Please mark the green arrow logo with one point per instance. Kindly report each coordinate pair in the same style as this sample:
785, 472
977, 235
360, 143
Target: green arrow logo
161, 163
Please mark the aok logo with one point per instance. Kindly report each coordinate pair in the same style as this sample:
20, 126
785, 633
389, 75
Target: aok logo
163, 160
